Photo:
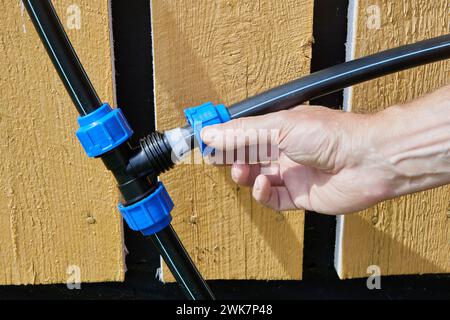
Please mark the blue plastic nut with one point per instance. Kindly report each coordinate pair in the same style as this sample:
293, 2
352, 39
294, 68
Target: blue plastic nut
102, 130
205, 115
151, 214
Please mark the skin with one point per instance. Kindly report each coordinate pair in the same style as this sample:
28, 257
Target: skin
336, 162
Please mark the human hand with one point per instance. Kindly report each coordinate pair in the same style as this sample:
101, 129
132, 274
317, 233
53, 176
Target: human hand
331, 161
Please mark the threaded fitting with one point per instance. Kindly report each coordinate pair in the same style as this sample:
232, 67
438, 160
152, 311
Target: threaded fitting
158, 152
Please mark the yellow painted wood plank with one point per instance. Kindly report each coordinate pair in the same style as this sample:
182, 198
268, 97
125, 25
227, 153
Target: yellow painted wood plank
58, 208
411, 234
225, 51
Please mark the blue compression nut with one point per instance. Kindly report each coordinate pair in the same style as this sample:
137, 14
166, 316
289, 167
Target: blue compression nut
205, 115
151, 214
102, 130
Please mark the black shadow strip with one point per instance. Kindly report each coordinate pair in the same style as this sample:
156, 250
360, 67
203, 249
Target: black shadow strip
330, 35
132, 37
133, 63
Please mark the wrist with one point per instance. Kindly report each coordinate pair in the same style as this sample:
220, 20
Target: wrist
370, 134
410, 145
385, 144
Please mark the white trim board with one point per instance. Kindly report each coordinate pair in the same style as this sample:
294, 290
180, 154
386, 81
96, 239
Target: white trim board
160, 271
347, 105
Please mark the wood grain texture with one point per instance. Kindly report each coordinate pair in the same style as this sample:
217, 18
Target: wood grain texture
57, 207
225, 51
411, 234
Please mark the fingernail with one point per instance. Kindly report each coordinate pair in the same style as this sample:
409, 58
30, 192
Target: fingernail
235, 173
208, 135
258, 183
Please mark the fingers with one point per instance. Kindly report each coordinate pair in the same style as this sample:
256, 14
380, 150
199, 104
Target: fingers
267, 182
274, 197
247, 155
242, 132
314, 136
245, 175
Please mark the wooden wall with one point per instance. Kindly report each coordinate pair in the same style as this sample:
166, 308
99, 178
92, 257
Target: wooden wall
225, 51
57, 207
411, 234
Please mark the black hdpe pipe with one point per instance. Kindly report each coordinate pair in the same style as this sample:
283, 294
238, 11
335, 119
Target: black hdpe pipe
343, 75
86, 101
338, 77
183, 272
63, 56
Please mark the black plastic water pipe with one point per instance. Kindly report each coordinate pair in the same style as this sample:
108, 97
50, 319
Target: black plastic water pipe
343, 75
133, 185
63, 56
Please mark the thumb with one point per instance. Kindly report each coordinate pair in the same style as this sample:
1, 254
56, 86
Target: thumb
243, 132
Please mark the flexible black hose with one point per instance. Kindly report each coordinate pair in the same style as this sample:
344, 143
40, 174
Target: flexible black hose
343, 75
86, 100
63, 56
337, 78
181, 265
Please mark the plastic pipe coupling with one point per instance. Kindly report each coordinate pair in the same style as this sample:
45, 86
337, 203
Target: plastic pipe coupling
105, 129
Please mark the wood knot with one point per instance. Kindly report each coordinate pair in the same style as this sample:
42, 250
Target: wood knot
374, 219
279, 217
91, 220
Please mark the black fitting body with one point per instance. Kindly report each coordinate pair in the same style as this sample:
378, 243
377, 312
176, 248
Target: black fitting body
153, 157
135, 169
133, 186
